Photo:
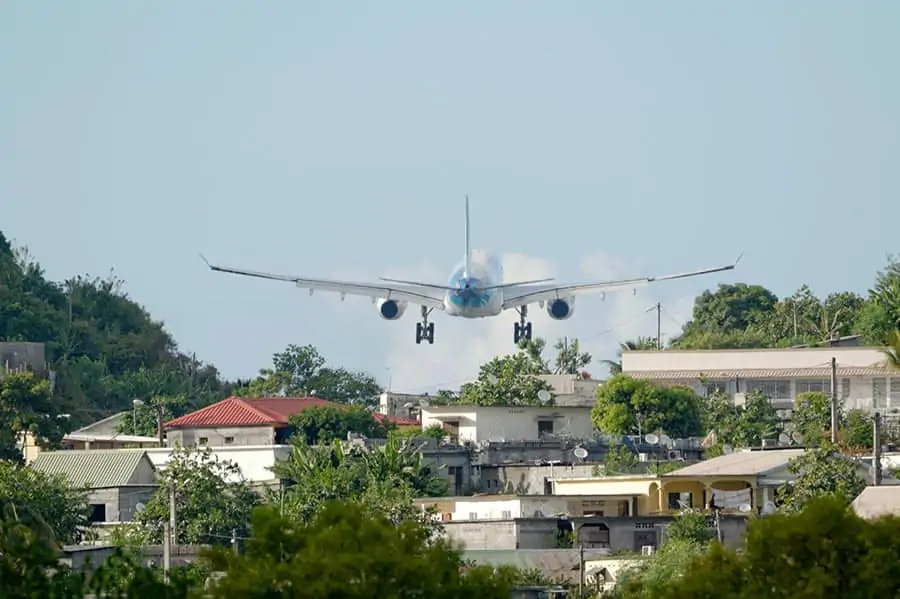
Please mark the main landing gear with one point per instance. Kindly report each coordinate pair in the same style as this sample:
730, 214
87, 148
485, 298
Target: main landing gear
425, 329
522, 329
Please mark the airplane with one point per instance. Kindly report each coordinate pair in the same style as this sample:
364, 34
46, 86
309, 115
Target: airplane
476, 289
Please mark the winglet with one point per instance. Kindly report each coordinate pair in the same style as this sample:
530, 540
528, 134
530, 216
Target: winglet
202, 257
738, 261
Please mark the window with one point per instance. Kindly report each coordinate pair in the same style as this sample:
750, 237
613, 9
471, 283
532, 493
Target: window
473, 515
98, 512
545, 427
506, 515
845, 389
229, 440
678, 501
879, 393
895, 393
713, 387
204, 440
775, 390
814, 386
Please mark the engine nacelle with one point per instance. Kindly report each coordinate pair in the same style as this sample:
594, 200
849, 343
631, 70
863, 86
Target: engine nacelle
391, 309
561, 309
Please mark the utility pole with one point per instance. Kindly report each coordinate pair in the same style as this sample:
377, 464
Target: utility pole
876, 450
159, 424
658, 326
581, 570
834, 401
167, 550
234, 543
173, 532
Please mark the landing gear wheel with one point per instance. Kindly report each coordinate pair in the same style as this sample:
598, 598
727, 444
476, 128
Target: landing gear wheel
522, 329
425, 329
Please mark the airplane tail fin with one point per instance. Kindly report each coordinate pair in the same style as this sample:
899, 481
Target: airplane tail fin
468, 244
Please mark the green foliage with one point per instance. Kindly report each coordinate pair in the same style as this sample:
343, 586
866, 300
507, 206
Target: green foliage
211, 496
323, 424
509, 380
857, 432
620, 460
812, 417
639, 344
740, 426
384, 479
27, 406
333, 556
689, 526
300, 371
653, 576
625, 404
820, 471
46, 504
823, 551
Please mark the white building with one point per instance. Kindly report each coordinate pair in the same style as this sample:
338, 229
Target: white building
255, 462
502, 423
781, 374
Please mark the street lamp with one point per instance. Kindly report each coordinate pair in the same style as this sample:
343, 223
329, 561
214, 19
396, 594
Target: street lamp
134, 406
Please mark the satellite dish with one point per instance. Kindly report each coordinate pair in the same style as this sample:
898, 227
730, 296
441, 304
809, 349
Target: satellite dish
580, 453
665, 439
784, 439
726, 449
492, 379
745, 508
651, 439
139, 508
769, 508
544, 396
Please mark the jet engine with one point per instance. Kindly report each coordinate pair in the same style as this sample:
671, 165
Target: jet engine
561, 309
390, 309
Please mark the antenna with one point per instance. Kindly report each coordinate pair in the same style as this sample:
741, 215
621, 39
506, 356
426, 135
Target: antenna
651, 439
580, 452
745, 508
544, 396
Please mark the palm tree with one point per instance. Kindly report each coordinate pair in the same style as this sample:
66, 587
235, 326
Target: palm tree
892, 351
639, 344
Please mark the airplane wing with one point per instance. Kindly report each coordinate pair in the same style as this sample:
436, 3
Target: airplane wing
422, 295
533, 294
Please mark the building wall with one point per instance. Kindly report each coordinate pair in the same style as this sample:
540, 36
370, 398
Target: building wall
120, 502
222, 436
21, 355
482, 423
742, 359
526, 479
255, 463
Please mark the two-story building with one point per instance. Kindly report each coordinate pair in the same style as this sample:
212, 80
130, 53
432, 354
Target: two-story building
864, 381
478, 424
248, 421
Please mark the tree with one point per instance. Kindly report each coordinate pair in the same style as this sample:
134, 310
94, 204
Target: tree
144, 418
212, 499
625, 405
508, 381
812, 417
569, 357
26, 406
333, 556
823, 551
301, 371
689, 526
741, 426
654, 576
857, 434
639, 344
734, 309
323, 424
45, 503
820, 471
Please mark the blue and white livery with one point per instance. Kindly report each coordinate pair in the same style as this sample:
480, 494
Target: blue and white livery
476, 289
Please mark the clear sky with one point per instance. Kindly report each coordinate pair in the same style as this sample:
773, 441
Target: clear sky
332, 139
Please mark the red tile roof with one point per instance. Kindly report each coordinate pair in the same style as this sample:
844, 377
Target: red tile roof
259, 411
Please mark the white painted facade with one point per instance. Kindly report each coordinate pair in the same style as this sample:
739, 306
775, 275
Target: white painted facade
255, 462
781, 374
479, 424
512, 507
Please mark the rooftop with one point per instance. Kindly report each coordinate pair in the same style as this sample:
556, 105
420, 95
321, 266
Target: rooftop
875, 502
93, 468
740, 463
260, 411
757, 373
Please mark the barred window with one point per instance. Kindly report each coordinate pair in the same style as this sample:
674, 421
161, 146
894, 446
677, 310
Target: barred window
879, 393
775, 390
814, 386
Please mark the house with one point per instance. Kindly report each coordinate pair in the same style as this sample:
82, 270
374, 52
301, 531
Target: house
479, 424
119, 481
103, 434
875, 502
864, 382
248, 421
255, 462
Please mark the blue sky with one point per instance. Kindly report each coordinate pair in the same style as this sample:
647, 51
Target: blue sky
338, 139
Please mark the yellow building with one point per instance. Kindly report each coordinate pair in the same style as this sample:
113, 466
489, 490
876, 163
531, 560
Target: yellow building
742, 481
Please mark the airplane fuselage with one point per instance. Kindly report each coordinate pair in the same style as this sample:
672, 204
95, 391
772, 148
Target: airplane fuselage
471, 297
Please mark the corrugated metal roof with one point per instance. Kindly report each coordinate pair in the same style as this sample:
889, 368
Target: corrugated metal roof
740, 463
94, 468
258, 411
757, 373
